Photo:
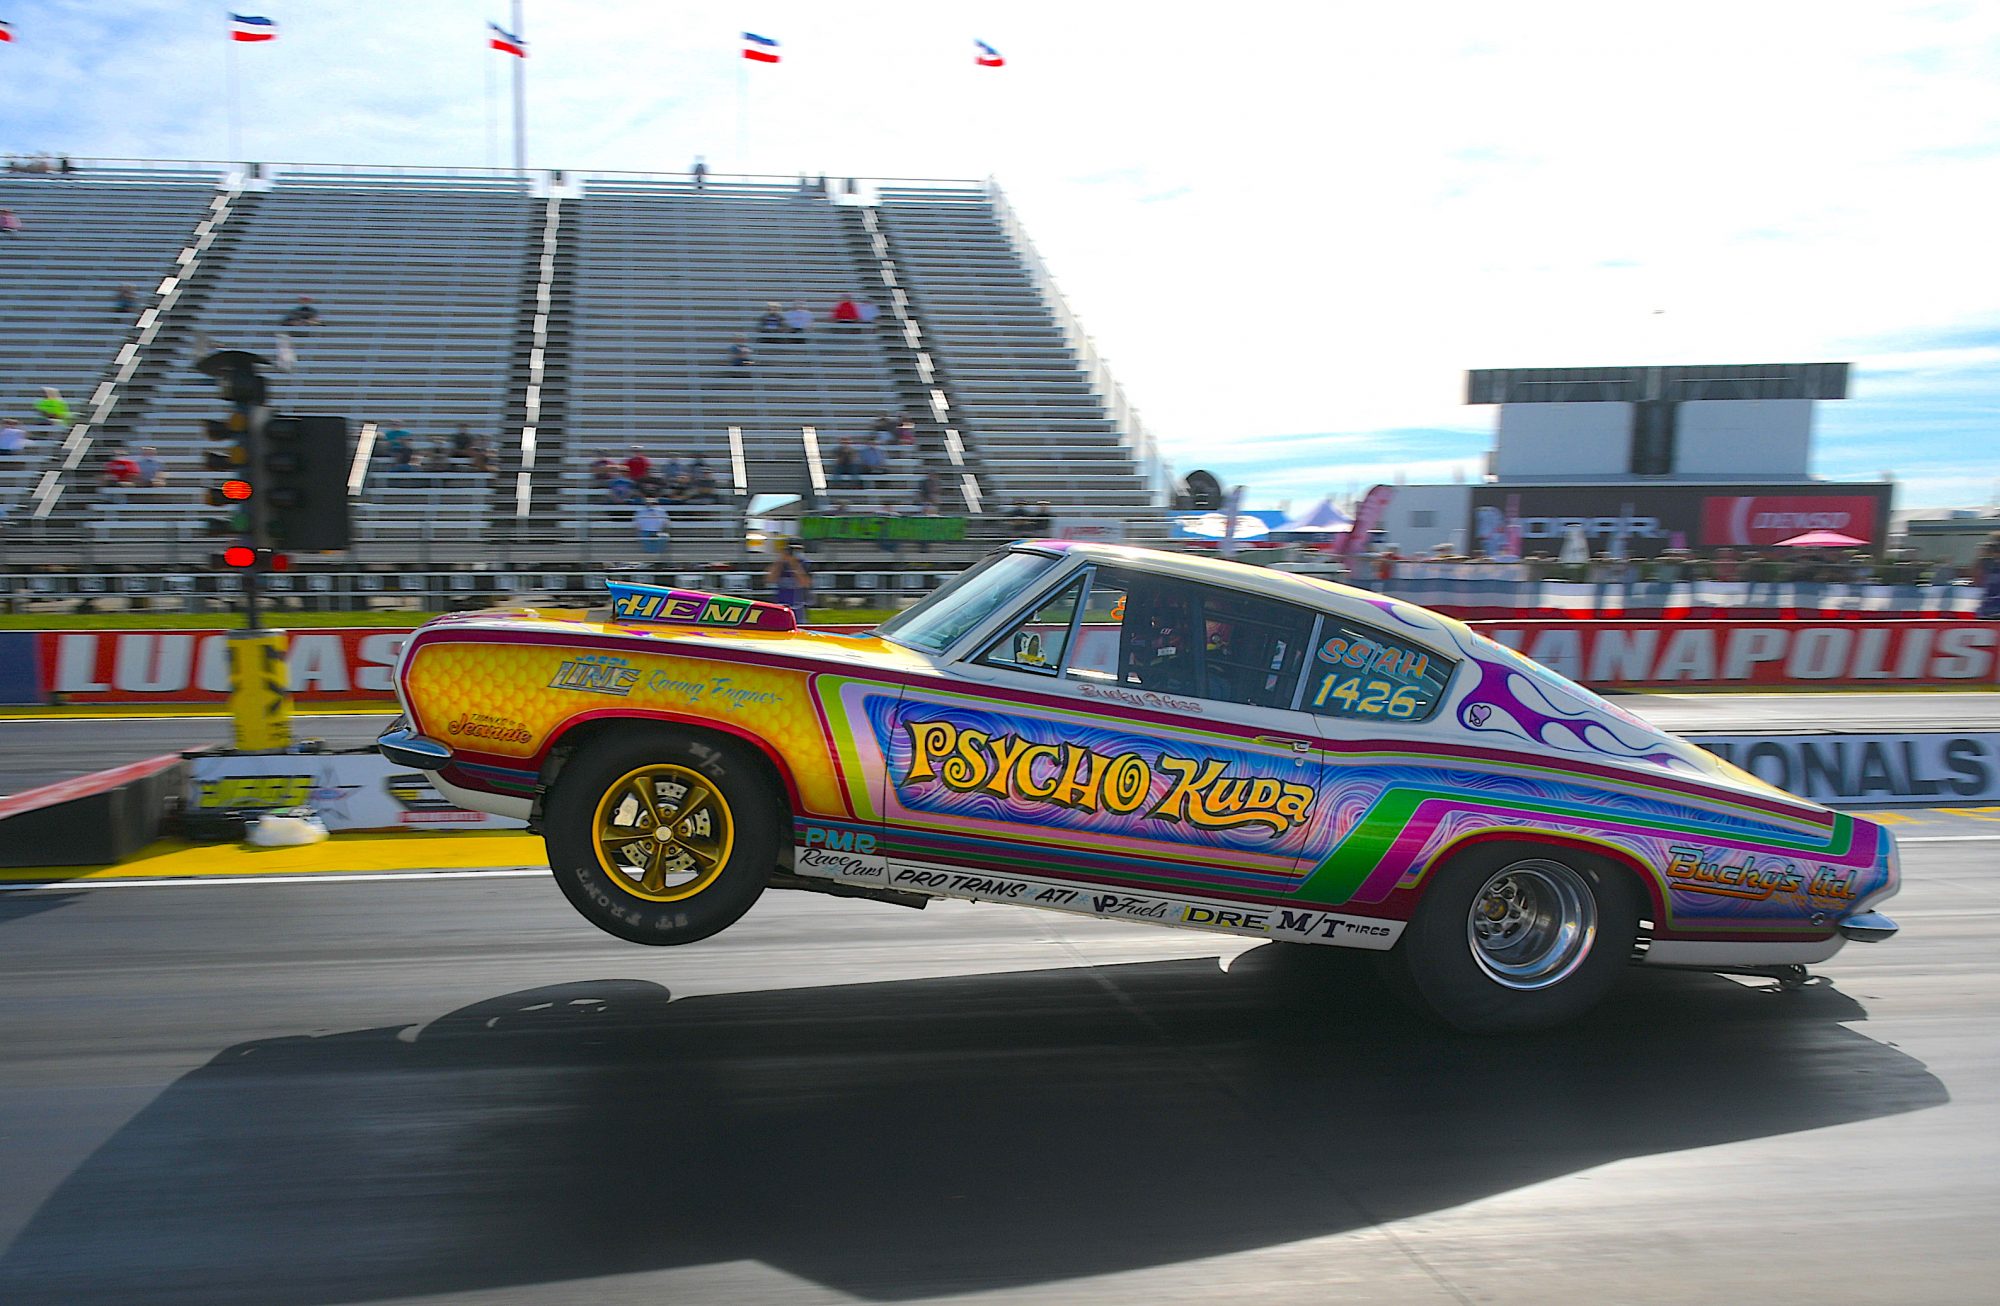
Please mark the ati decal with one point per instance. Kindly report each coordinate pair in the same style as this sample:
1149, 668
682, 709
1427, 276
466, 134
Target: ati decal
1706, 870
1073, 776
500, 729
594, 673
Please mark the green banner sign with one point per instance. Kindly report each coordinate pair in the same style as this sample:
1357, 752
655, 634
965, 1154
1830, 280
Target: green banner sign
932, 529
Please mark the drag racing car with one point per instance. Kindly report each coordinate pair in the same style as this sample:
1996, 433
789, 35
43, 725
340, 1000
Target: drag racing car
1137, 736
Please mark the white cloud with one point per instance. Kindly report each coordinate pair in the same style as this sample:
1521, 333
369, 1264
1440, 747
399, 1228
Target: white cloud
1274, 217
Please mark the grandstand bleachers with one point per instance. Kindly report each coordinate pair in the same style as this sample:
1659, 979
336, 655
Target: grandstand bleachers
431, 288
1041, 435
84, 237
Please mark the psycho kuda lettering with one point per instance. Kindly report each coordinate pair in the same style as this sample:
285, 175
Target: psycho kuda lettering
1198, 791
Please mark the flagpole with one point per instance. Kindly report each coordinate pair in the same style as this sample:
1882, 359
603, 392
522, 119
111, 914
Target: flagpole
492, 114
235, 107
742, 114
520, 100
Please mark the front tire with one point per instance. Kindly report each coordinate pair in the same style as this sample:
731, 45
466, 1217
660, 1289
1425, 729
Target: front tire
1516, 937
662, 837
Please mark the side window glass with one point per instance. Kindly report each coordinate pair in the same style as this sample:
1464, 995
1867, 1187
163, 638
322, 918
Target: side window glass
1038, 643
1252, 648
1095, 657
1358, 671
1190, 640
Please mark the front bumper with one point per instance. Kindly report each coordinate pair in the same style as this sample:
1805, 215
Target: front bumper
405, 747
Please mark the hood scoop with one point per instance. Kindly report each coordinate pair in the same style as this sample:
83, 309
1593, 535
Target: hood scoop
658, 605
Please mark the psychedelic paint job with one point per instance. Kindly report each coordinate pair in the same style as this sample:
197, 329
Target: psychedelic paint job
906, 773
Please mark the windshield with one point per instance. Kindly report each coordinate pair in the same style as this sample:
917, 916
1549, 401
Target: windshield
969, 598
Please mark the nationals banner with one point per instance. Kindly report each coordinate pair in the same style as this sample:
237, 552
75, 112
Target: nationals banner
1817, 654
1869, 770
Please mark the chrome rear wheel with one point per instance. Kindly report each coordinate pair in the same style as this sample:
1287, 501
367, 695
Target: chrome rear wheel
1531, 924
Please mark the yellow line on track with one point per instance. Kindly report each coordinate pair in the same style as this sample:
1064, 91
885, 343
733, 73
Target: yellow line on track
170, 859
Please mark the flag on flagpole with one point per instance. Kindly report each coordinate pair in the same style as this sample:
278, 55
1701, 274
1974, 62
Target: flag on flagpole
506, 42
243, 27
6, 31
988, 57
759, 49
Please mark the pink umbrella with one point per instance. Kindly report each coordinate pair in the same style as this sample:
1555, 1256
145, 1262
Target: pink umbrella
1821, 540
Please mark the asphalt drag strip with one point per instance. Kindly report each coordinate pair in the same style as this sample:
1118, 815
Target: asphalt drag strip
329, 1092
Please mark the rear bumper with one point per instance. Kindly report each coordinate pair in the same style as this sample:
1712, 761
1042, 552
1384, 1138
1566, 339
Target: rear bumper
1867, 927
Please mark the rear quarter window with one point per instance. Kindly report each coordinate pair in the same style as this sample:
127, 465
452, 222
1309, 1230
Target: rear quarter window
1361, 673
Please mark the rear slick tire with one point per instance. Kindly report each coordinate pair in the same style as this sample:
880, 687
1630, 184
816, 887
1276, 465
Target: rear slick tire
1516, 937
662, 837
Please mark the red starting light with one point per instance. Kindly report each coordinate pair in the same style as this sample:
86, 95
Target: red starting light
239, 555
236, 491
281, 562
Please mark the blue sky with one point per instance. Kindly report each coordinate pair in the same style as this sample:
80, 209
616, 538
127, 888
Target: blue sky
1292, 228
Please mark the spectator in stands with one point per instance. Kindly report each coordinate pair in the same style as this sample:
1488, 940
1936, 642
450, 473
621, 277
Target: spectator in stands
883, 427
650, 520
606, 470
152, 472
906, 433
873, 461
125, 300
790, 580
739, 353
54, 411
702, 480
622, 488
437, 457
700, 171
13, 436
121, 469
798, 319
930, 497
462, 441
845, 311
10, 224
481, 457
303, 313
397, 441
771, 326
846, 465
865, 311
637, 465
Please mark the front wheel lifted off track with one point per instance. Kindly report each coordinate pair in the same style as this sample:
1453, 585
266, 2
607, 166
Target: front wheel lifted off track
1513, 937
660, 836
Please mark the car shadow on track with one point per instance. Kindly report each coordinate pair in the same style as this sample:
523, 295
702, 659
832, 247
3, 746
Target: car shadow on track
898, 1139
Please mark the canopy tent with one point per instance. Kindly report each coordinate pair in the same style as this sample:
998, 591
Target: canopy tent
1322, 518
1215, 526
1822, 540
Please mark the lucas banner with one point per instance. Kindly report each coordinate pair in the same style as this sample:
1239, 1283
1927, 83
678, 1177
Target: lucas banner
191, 667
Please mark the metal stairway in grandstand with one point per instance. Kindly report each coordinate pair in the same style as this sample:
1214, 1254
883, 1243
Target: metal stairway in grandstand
922, 387
168, 345
530, 441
